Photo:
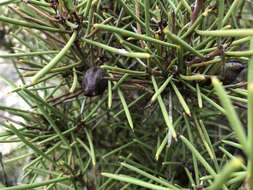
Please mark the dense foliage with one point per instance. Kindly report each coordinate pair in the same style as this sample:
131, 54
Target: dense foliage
130, 94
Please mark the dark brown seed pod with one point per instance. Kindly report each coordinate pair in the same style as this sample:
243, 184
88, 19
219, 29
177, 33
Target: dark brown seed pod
94, 81
230, 71
2, 34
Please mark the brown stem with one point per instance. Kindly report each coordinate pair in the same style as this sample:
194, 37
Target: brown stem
197, 8
23, 15
137, 12
42, 13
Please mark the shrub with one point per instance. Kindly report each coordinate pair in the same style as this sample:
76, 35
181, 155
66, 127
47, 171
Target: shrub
128, 94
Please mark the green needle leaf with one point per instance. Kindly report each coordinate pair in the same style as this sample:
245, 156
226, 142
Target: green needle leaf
127, 112
55, 60
231, 114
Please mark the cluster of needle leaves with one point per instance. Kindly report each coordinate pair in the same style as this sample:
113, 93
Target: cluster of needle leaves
177, 111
